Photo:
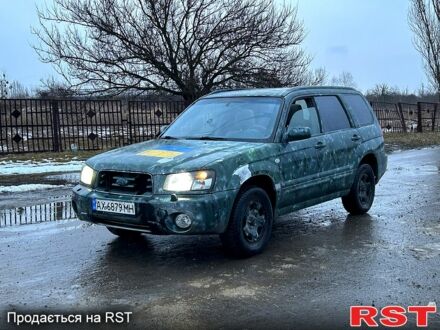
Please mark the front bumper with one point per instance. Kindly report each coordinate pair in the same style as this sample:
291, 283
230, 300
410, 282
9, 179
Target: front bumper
155, 213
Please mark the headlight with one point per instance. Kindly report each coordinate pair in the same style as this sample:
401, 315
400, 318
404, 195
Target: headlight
87, 175
188, 181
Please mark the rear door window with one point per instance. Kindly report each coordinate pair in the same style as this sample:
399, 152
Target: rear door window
332, 114
358, 108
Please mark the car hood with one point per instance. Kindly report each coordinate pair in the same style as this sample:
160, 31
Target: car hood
168, 156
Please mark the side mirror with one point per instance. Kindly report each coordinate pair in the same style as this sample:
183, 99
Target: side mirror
297, 133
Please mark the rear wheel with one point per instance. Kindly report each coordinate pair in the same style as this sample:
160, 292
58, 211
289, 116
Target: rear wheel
361, 195
123, 233
250, 225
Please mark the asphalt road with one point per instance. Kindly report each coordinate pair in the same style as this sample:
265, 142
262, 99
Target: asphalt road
319, 262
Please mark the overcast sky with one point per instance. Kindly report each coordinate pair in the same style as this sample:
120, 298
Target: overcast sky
369, 38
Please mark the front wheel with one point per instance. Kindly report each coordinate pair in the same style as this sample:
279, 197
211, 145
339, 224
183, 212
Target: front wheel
250, 225
361, 195
123, 233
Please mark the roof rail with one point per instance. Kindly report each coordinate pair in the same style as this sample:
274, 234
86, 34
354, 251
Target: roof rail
226, 90
322, 87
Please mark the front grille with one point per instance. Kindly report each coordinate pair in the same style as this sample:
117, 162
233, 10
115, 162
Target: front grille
125, 182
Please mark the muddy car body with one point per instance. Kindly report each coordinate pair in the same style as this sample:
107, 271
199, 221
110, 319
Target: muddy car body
235, 160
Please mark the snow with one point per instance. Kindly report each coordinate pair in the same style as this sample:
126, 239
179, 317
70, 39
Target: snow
27, 187
29, 167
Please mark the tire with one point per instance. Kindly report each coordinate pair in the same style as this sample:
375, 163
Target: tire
124, 233
250, 224
361, 195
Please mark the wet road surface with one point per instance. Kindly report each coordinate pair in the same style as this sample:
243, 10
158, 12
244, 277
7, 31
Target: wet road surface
14, 200
319, 262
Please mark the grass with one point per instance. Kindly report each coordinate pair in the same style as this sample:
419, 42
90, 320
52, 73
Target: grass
396, 141
53, 156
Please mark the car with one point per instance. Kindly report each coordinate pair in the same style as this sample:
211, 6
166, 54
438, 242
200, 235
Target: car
235, 160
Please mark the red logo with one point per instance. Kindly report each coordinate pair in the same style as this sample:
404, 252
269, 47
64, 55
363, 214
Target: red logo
389, 316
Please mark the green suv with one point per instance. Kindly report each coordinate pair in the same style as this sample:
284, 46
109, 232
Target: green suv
233, 161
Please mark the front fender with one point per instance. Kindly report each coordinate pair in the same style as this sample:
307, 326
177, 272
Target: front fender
242, 173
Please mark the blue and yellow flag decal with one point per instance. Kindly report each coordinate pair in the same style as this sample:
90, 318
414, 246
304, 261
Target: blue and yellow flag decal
165, 152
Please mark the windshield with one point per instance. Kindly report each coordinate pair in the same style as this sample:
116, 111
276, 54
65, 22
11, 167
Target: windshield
235, 118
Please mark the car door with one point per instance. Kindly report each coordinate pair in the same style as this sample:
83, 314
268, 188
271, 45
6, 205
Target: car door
299, 160
340, 142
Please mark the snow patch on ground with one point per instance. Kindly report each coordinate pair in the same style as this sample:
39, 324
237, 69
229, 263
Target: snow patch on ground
27, 167
27, 187
239, 292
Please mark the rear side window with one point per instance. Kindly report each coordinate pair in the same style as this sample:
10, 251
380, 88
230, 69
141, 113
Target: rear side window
358, 109
333, 116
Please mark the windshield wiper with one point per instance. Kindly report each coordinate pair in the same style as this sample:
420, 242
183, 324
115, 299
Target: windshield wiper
211, 138
168, 137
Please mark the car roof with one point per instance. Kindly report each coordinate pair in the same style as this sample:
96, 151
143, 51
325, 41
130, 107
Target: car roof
280, 92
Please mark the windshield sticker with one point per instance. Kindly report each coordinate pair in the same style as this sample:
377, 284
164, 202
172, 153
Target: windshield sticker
160, 153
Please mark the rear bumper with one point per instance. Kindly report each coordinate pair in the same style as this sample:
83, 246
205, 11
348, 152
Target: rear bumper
382, 163
155, 213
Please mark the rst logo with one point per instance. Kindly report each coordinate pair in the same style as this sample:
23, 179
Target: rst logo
389, 316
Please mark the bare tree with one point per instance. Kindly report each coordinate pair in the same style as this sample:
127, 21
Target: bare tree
382, 92
344, 79
424, 19
382, 89
11, 89
18, 90
5, 87
315, 77
51, 88
181, 47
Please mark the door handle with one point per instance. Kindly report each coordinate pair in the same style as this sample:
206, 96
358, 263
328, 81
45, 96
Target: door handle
355, 138
320, 145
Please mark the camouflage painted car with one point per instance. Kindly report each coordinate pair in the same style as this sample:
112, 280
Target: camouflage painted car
235, 160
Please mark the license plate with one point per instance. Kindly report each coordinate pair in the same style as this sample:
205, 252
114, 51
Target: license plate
113, 206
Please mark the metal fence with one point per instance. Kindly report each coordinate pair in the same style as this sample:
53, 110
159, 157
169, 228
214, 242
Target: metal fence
389, 116
36, 125
146, 117
53, 211
88, 125
407, 117
40, 125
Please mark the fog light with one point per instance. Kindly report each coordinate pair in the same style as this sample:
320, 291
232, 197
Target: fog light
183, 221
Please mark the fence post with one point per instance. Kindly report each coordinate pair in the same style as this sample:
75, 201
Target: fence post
419, 118
129, 126
434, 116
402, 118
56, 133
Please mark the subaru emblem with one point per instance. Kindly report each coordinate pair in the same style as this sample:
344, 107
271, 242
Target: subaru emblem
121, 182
